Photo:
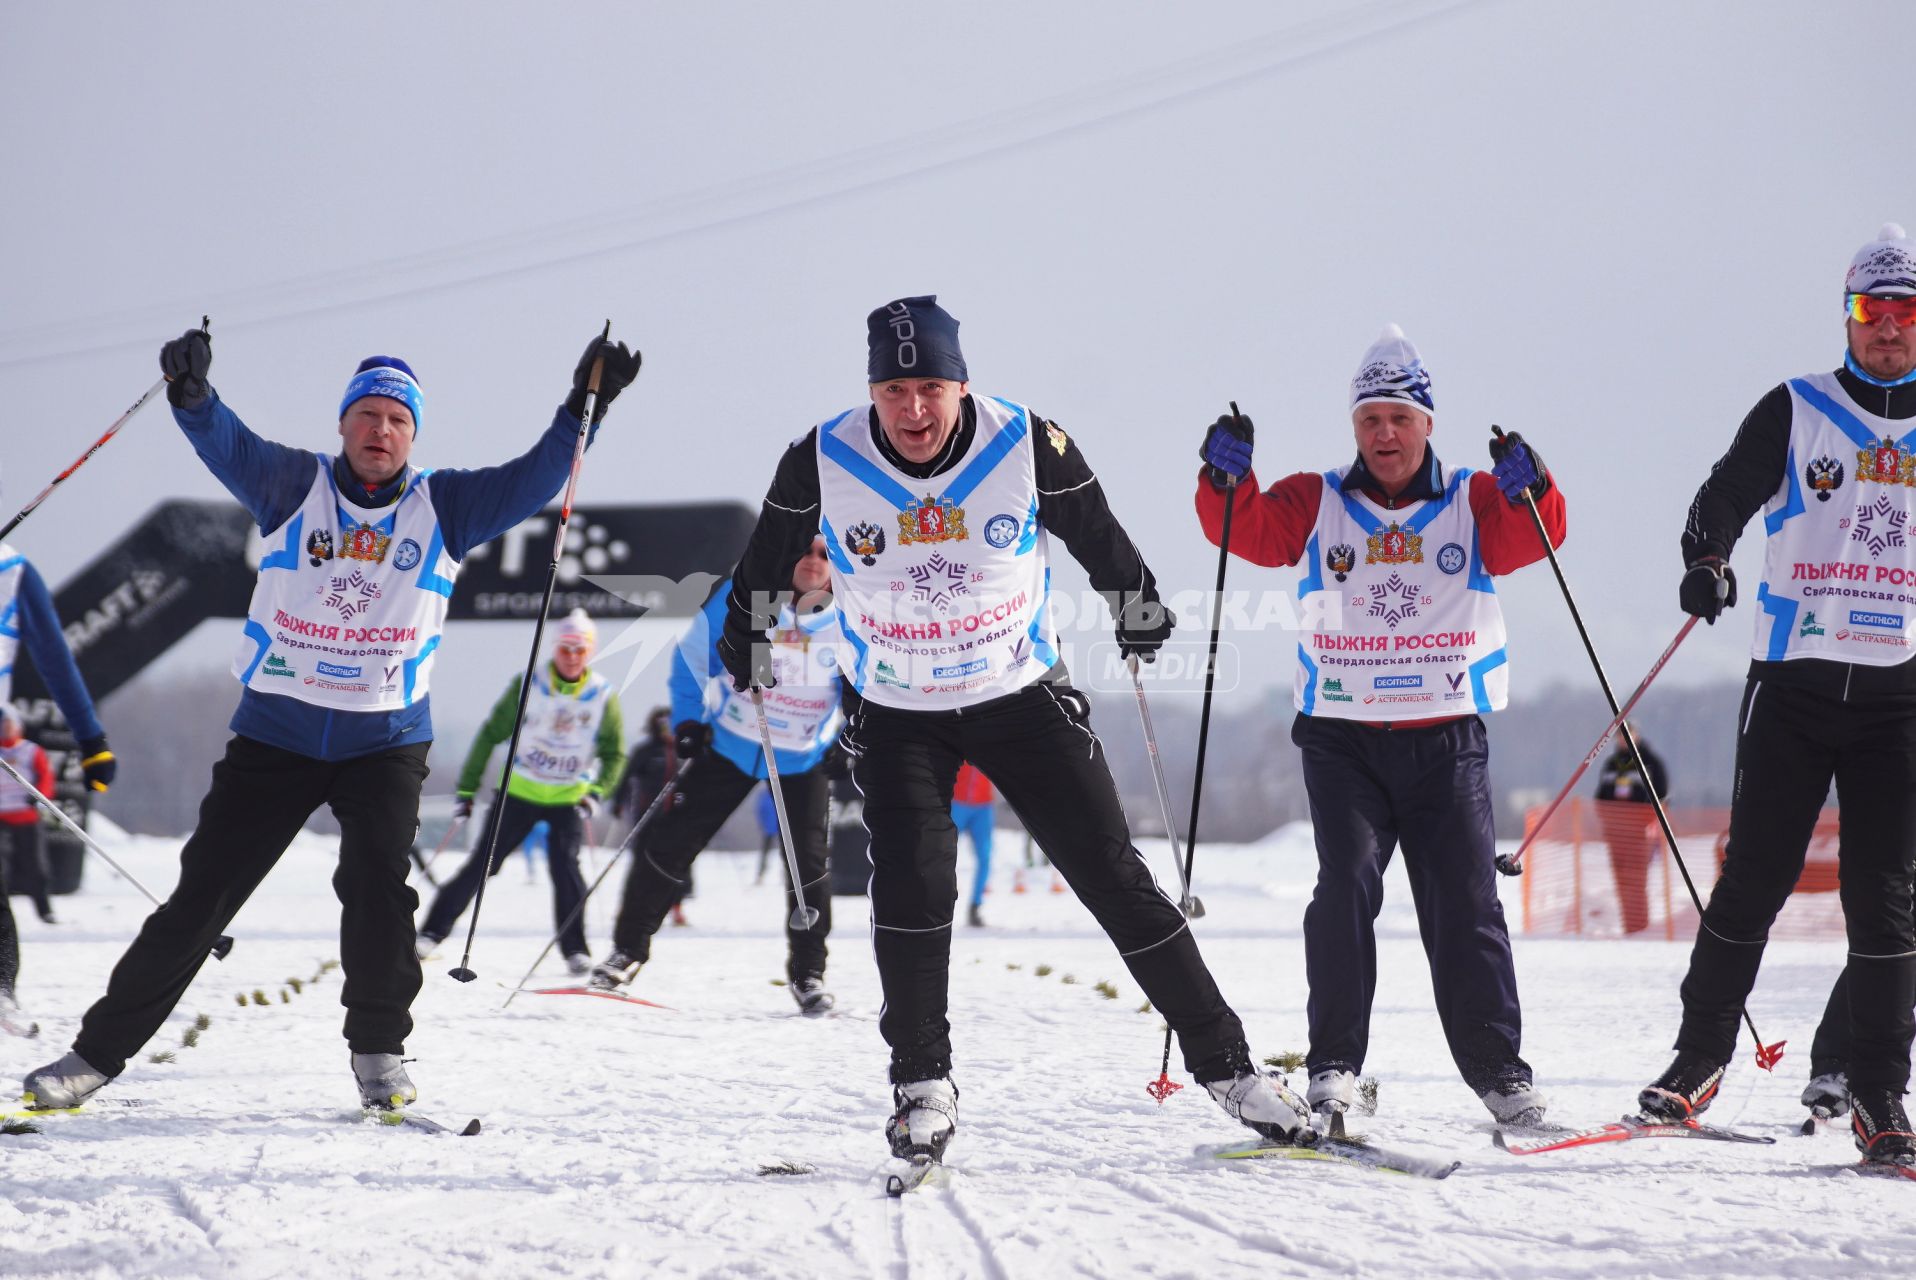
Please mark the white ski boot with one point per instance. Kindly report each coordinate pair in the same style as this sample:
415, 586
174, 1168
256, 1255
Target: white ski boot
66, 1083
1827, 1095
383, 1082
578, 964
926, 1119
613, 972
12, 1021
425, 946
813, 1000
1333, 1092
1516, 1103
1266, 1105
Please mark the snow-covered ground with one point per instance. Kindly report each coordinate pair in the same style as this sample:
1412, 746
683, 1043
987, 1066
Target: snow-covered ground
626, 1141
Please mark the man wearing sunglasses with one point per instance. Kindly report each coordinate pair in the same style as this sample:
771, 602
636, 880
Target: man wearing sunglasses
571, 752
1831, 457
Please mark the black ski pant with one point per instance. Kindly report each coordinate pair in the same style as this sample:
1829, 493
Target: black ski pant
565, 830
1791, 745
23, 852
1428, 789
9, 929
711, 788
261, 797
1037, 748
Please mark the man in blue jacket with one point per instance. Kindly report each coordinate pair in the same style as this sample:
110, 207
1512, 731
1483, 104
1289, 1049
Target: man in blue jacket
335, 661
718, 734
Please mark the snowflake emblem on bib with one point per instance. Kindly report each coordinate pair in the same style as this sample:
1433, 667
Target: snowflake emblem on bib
352, 594
1876, 526
939, 580
1393, 600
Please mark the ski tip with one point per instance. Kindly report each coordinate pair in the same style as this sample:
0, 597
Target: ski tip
1808, 1128
471, 1129
894, 1186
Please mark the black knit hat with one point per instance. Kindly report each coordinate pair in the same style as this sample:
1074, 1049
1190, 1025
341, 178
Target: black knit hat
913, 338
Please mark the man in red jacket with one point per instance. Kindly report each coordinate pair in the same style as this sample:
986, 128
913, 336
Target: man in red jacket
1401, 652
21, 846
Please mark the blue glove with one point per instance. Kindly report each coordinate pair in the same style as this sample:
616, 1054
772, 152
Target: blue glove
1227, 449
1517, 468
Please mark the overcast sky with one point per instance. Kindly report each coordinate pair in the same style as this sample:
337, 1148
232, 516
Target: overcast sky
1610, 226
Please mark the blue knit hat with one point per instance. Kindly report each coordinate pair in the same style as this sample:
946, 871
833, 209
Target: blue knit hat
913, 338
387, 376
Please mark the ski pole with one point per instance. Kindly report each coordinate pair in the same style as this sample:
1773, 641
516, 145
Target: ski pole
463, 972
205, 327
1767, 1055
1511, 864
221, 945
804, 916
452, 830
1188, 901
1163, 1087
659, 802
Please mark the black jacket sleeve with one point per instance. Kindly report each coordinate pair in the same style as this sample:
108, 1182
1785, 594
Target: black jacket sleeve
1071, 505
1742, 480
787, 523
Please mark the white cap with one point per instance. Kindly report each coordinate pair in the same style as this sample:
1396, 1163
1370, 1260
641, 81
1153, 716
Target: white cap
576, 629
9, 712
1885, 266
1392, 370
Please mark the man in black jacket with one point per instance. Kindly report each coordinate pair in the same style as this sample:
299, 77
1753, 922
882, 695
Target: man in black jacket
936, 505
1831, 695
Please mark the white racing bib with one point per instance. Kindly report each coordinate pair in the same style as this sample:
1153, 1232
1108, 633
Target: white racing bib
801, 710
1412, 628
1839, 569
558, 743
944, 584
350, 601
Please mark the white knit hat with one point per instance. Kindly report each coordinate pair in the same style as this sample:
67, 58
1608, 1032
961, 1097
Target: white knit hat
1392, 370
576, 629
1885, 266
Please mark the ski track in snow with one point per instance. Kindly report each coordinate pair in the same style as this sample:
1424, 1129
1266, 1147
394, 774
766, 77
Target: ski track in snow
626, 1141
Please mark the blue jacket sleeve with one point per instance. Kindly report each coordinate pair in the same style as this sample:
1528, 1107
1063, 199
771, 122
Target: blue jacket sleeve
695, 661
268, 478
477, 506
47, 645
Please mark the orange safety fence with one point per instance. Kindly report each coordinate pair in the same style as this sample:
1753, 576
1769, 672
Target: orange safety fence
1600, 870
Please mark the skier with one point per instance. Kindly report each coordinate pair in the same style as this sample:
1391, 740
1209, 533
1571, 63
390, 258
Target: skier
1391, 685
571, 751
22, 848
972, 812
936, 505
717, 731
27, 618
1831, 694
652, 761
335, 664
1625, 814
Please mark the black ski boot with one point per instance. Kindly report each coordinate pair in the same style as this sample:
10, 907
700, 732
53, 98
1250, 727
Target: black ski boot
1827, 1095
1684, 1091
926, 1119
1882, 1128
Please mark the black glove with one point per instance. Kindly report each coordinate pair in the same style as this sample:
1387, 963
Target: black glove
1144, 624
1705, 594
97, 764
462, 807
1518, 468
1227, 449
749, 663
621, 366
691, 739
837, 762
588, 806
185, 361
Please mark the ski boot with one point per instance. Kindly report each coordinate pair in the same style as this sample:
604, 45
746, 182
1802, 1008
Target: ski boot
12, 1021
1882, 1127
66, 1083
813, 1000
1515, 1102
613, 972
425, 946
975, 916
927, 1117
1266, 1105
578, 964
1332, 1091
383, 1082
1685, 1089
1827, 1095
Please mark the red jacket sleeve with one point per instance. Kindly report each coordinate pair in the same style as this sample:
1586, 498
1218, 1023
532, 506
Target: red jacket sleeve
1268, 528
42, 772
1506, 535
